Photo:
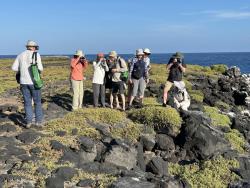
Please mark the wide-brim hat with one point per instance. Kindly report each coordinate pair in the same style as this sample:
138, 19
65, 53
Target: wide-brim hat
178, 55
139, 52
31, 43
79, 53
112, 54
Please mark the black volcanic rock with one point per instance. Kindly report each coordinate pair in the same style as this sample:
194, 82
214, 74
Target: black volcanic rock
28, 137
129, 182
158, 166
199, 138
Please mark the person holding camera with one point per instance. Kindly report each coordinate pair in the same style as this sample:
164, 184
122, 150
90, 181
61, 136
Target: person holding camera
176, 67
118, 65
100, 67
138, 77
78, 65
22, 65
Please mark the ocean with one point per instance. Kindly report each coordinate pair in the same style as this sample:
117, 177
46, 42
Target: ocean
239, 59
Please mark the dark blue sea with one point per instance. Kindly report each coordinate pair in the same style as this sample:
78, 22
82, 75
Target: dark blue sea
239, 59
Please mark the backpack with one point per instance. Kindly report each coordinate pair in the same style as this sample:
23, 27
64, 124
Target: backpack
138, 70
124, 75
35, 74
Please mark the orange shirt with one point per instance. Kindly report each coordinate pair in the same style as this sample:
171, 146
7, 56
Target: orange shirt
77, 69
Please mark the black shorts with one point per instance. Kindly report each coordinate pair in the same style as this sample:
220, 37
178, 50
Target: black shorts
118, 87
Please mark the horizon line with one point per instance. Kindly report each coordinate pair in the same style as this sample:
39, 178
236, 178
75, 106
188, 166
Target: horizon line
206, 52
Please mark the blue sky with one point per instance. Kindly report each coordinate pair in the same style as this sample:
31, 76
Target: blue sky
61, 27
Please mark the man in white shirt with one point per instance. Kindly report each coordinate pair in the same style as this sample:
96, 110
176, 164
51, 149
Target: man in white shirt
22, 65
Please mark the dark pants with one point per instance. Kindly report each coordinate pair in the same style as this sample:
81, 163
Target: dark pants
99, 89
29, 93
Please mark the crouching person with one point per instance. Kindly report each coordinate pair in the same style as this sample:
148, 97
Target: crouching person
100, 67
78, 65
181, 96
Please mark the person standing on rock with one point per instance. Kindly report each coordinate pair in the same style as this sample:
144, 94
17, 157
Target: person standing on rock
176, 67
138, 76
22, 65
100, 67
78, 65
118, 66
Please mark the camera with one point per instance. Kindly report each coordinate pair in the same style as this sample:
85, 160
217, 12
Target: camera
82, 58
103, 63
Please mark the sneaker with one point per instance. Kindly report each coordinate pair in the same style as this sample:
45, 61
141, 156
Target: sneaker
28, 125
129, 107
39, 124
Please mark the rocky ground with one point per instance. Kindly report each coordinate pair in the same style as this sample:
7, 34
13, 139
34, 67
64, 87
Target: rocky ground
153, 146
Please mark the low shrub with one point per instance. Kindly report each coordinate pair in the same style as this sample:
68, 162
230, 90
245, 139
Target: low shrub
157, 117
207, 174
217, 118
236, 140
220, 68
196, 95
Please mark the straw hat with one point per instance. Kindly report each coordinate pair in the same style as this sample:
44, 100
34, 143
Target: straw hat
139, 52
79, 53
113, 54
31, 43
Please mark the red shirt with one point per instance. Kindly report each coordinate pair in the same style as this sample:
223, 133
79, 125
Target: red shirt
77, 69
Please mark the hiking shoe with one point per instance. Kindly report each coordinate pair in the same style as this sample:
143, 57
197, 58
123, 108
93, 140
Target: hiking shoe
129, 107
28, 125
39, 124
164, 105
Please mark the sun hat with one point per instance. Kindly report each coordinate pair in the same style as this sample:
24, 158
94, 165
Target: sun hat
146, 51
180, 85
178, 55
79, 53
112, 54
100, 55
31, 43
139, 52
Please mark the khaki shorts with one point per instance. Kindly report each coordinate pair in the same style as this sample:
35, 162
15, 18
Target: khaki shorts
168, 85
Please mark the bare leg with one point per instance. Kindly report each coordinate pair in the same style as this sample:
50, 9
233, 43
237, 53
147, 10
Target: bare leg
111, 100
131, 100
123, 102
117, 102
165, 95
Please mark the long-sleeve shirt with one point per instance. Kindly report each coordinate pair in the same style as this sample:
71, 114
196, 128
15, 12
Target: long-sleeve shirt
132, 63
23, 63
77, 69
147, 61
120, 64
99, 72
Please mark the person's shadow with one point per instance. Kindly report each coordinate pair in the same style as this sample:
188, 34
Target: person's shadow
63, 100
17, 118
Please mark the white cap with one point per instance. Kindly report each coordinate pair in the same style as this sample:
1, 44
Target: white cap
147, 51
180, 85
31, 43
139, 52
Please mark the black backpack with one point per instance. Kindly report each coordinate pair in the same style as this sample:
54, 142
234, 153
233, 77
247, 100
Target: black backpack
138, 70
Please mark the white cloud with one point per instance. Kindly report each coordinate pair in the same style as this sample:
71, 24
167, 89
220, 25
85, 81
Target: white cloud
222, 14
236, 15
